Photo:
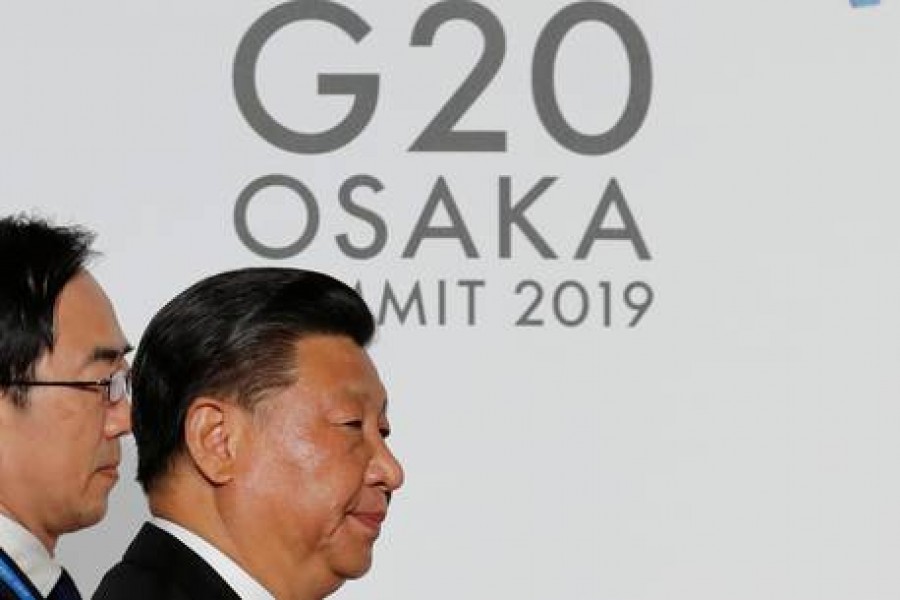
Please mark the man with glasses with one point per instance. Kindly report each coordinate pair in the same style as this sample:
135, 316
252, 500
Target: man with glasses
64, 391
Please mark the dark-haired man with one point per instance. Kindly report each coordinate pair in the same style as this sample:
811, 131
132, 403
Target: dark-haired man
64, 386
260, 424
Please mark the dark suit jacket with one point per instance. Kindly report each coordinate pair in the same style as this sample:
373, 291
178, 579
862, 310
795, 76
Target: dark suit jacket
157, 566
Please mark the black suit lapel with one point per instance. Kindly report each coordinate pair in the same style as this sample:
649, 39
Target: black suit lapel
155, 549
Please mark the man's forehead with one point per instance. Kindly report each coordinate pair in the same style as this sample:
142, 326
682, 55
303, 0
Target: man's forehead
339, 364
327, 352
375, 398
85, 324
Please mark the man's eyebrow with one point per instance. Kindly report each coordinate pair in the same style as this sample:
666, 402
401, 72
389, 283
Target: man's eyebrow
108, 353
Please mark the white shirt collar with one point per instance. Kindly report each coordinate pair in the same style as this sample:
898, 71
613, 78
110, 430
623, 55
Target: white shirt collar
29, 554
240, 581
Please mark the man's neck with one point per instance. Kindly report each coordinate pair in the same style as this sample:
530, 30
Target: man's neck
45, 537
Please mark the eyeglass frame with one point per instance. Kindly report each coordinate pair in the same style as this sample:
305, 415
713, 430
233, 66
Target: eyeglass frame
106, 383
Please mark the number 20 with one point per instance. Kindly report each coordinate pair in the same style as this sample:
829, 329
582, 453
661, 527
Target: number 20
440, 135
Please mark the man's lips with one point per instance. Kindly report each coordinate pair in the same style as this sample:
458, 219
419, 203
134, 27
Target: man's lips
372, 520
110, 470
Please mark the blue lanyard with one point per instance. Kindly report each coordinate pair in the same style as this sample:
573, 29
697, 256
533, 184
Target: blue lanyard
9, 576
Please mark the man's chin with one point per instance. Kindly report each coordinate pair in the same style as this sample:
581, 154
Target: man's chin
356, 566
91, 514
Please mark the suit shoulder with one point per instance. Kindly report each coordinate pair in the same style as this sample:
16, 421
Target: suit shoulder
126, 581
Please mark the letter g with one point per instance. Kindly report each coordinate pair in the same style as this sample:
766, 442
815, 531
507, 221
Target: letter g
363, 87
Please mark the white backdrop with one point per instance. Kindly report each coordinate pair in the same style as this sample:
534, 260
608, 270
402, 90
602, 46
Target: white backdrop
741, 441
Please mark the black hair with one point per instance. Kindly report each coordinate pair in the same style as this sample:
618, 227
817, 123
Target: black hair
37, 260
230, 336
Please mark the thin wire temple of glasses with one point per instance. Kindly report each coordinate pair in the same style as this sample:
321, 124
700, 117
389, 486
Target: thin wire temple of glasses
116, 387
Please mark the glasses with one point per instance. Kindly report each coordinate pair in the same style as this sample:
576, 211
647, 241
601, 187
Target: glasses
116, 387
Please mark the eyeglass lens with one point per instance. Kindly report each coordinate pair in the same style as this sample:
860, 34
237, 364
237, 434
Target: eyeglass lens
119, 387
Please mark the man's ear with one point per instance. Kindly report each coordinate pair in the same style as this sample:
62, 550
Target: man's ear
213, 431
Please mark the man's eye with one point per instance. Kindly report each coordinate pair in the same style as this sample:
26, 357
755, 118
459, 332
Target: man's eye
385, 431
355, 424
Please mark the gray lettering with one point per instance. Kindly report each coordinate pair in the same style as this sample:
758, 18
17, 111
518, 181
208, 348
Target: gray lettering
440, 196
544, 78
242, 227
583, 299
439, 135
595, 231
389, 300
363, 87
515, 215
471, 286
379, 228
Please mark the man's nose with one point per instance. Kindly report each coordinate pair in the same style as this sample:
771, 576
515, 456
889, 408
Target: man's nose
118, 419
384, 469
